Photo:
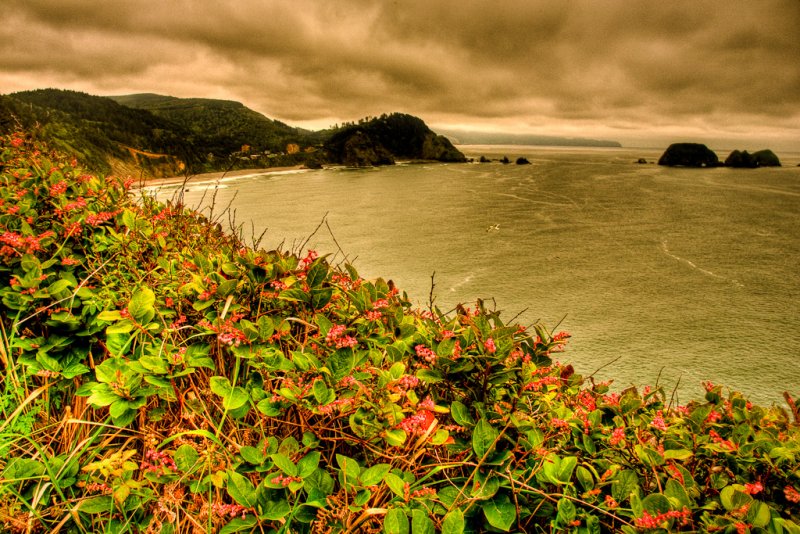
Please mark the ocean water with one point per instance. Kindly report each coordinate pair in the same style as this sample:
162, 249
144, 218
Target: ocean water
662, 275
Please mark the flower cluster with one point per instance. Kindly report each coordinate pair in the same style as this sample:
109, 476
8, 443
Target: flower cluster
229, 510
648, 521
418, 423
426, 354
336, 337
157, 462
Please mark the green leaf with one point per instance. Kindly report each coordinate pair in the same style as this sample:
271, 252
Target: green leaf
656, 504
238, 524
241, 489
316, 274
759, 515
122, 327
675, 491
226, 287
483, 438
294, 295
421, 523
395, 522
252, 455
275, 510
109, 315
186, 458
238, 397
321, 297
566, 512
58, 286
220, 385
154, 364
395, 437
283, 463
349, 470
308, 464
341, 363
321, 393
623, 484
486, 487
431, 376
733, 498
395, 483
102, 395
97, 505
141, 305
500, 512
678, 454
232, 397
374, 475
453, 522
585, 478
461, 414
566, 468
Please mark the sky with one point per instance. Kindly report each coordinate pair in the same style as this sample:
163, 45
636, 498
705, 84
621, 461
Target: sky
637, 71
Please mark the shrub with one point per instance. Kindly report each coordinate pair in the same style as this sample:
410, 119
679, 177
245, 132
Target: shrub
161, 376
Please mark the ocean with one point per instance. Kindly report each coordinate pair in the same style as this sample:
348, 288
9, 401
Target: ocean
666, 276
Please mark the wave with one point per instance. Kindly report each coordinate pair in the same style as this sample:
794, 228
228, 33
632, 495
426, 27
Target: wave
665, 250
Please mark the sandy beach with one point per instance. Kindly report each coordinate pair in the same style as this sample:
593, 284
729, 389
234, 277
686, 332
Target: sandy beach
211, 176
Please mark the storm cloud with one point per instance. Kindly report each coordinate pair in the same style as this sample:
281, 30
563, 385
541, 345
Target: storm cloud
616, 69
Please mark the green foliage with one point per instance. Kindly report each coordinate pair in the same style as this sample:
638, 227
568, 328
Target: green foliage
160, 376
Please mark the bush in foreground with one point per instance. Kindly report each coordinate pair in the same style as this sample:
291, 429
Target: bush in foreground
161, 376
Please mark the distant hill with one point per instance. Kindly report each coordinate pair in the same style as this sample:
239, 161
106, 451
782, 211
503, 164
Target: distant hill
155, 135
222, 126
465, 137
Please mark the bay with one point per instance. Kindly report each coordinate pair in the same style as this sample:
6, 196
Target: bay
665, 275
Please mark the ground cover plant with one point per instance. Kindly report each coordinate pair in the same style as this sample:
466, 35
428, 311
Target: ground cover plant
158, 375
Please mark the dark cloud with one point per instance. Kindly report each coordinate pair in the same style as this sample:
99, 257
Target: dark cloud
601, 67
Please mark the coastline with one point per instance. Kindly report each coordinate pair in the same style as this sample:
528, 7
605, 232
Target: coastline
211, 176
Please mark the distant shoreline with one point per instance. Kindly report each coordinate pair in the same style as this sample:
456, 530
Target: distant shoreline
211, 176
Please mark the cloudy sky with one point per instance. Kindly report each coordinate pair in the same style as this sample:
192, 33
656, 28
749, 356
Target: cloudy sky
638, 71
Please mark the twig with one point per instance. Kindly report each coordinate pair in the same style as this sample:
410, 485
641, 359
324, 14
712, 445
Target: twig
431, 297
303, 245
338, 246
604, 366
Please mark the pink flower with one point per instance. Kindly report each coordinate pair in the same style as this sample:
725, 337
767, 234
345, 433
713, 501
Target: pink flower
617, 435
58, 189
425, 353
752, 489
490, 346
658, 422
791, 494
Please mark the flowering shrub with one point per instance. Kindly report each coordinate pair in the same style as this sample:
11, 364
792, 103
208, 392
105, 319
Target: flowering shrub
161, 376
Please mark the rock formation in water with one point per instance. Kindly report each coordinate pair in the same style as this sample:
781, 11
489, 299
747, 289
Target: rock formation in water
743, 159
689, 155
523, 161
381, 141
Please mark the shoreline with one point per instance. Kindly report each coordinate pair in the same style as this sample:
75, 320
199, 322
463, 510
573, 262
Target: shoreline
219, 175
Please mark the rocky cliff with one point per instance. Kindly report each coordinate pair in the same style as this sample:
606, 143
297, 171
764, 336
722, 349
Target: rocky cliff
383, 140
689, 155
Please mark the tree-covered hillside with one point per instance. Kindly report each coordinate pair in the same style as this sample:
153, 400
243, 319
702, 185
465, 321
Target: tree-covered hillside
97, 129
153, 135
221, 125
